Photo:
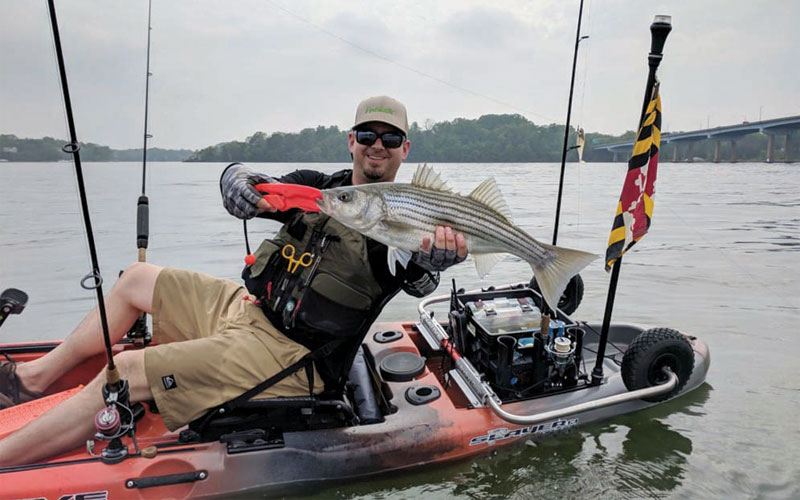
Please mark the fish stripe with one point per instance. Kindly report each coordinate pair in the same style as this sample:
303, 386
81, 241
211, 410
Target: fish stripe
463, 214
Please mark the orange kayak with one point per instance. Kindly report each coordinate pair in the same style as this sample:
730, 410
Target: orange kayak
412, 400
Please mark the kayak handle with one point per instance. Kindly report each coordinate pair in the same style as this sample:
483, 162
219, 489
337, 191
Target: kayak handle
537, 418
169, 479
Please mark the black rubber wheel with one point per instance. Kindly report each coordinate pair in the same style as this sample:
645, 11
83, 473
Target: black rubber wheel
651, 351
572, 296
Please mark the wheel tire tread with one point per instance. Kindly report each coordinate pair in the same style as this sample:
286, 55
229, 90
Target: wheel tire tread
637, 355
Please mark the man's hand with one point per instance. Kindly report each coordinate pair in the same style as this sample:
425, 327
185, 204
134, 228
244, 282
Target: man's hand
447, 249
239, 195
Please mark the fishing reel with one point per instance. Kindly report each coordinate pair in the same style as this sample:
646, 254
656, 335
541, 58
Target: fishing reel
115, 421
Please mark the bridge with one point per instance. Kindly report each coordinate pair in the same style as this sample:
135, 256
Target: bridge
771, 128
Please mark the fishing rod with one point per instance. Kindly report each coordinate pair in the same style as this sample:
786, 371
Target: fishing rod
109, 422
578, 39
659, 30
138, 332
93, 280
574, 291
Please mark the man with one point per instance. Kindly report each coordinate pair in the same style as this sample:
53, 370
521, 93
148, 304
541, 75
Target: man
217, 339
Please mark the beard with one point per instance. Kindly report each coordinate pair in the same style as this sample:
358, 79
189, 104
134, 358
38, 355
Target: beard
375, 171
373, 174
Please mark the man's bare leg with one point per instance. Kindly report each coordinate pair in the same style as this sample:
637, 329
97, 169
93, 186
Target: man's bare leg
130, 295
71, 423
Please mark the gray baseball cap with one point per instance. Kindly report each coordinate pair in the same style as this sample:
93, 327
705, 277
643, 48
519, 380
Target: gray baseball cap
382, 109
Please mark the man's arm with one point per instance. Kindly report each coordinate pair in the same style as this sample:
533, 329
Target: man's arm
419, 282
241, 199
237, 184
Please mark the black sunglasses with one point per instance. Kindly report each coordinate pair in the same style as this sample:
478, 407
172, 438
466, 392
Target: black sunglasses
390, 140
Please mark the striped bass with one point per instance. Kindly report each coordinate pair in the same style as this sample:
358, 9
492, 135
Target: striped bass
400, 215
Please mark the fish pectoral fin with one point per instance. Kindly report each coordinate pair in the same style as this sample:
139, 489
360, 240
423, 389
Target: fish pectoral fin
484, 262
554, 276
395, 255
487, 193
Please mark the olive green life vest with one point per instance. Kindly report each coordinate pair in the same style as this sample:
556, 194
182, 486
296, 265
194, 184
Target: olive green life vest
314, 280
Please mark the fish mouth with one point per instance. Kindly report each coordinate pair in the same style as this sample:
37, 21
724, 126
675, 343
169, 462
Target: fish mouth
323, 203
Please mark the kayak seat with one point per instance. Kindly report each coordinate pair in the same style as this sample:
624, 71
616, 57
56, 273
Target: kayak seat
274, 416
354, 404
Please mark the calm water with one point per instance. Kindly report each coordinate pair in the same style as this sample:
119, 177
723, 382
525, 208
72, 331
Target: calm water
722, 261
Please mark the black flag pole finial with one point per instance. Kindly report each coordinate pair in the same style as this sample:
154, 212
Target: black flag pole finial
659, 30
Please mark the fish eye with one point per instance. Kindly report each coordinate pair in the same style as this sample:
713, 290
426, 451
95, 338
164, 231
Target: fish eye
345, 196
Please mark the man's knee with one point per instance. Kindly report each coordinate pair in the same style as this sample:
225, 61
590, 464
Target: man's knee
132, 368
138, 282
137, 273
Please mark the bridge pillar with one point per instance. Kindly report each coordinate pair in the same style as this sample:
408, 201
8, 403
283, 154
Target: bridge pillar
787, 148
717, 145
733, 151
770, 148
675, 153
615, 157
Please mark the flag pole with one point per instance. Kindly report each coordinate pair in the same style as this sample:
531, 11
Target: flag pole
659, 30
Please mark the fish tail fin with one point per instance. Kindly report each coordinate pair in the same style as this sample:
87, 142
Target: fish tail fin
554, 276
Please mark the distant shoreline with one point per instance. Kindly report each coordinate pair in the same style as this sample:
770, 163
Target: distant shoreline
509, 138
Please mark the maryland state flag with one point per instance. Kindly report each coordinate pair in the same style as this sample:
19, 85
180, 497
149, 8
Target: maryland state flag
635, 208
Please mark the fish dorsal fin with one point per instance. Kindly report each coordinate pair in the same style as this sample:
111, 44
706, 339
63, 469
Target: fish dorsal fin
487, 193
427, 178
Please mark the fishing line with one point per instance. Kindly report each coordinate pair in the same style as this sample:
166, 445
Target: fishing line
406, 67
586, 57
143, 205
735, 265
146, 96
138, 331
578, 39
94, 279
585, 65
78, 220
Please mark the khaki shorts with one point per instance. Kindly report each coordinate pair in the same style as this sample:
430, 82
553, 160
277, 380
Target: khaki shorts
214, 346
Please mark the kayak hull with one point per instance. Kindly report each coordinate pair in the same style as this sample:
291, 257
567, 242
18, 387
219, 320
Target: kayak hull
445, 429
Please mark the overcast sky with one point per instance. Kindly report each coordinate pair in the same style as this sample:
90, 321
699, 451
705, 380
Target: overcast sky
223, 70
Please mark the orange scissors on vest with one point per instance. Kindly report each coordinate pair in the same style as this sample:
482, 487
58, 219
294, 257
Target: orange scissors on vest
288, 253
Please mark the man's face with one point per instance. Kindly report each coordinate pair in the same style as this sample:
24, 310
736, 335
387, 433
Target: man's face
376, 163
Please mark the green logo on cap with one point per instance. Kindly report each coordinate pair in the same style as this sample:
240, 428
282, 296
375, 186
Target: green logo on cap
379, 109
